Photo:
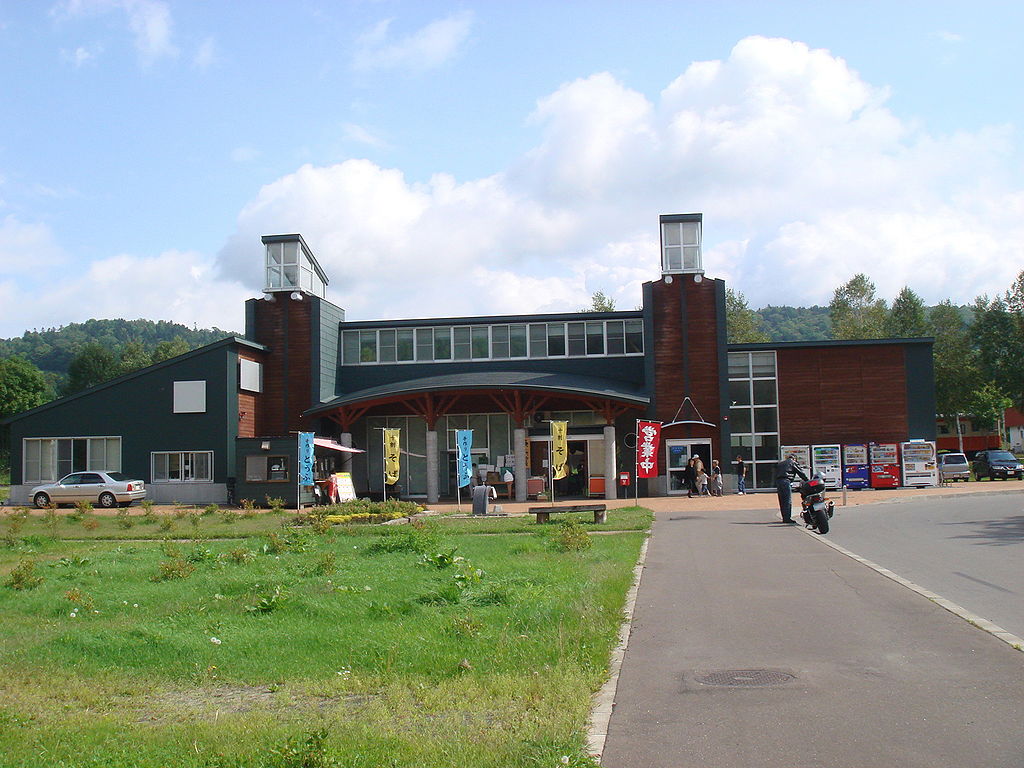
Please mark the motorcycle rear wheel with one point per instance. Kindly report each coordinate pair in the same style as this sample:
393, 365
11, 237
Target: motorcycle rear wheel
820, 520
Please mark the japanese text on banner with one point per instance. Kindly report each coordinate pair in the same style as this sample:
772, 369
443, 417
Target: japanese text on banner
391, 455
648, 435
559, 449
464, 467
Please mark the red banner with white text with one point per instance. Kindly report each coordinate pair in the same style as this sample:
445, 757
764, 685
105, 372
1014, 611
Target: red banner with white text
648, 435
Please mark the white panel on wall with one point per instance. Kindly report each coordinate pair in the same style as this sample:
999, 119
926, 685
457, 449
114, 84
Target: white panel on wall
250, 375
190, 397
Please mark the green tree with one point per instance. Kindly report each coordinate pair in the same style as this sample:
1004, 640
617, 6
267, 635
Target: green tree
93, 365
165, 350
854, 311
998, 334
956, 370
743, 325
987, 405
600, 303
907, 319
133, 356
22, 386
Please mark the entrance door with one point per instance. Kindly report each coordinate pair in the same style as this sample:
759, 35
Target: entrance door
679, 452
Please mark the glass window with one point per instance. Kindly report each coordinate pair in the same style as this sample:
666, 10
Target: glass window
443, 343
201, 465
405, 345
291, 252
768, 447
462, 345
386, 339
517, 341
739, 392
481, 342
425, 344
739, 365
160, 467
765, 420
556, 339
368, 346
762, 364
739, 420
595, 338
616, 337
350, 347
577, 339
634, 336
97, 453
764, 392
538, 340
274, 253
499, 341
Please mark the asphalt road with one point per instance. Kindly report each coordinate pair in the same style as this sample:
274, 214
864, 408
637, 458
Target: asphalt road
968, 549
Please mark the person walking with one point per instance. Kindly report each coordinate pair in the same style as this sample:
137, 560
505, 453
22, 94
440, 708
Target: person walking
741, 475
716, 478
690, 476
785, 471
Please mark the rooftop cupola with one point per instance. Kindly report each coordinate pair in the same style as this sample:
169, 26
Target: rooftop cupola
291, 267
680, 244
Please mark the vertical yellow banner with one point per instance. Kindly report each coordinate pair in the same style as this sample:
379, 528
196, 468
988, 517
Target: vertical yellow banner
391, 455
559, 449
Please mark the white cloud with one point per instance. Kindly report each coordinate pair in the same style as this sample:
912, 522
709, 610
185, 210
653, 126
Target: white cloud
149, 21
427, 48
948, 37
27, 248
244, 154
82, 54
361, 135
206, 55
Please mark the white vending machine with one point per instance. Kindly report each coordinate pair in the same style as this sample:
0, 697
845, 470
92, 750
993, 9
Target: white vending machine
801, 455
827, 462
920, 467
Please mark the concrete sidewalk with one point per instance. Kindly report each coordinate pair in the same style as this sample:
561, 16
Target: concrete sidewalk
754, 645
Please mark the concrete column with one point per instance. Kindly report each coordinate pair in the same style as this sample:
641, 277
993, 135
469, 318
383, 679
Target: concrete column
346, 457
519, 436
433, 494
611, 478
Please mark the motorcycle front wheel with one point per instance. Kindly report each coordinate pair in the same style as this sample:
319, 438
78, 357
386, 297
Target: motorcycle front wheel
820, 520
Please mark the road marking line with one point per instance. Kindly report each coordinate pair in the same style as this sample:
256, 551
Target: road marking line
972, 618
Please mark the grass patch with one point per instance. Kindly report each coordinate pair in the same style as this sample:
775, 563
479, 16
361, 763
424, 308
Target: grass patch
409, 645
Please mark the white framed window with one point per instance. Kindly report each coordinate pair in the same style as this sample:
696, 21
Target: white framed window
46, 459
250, 375
266, 469
190, 397
680, 246
182, 466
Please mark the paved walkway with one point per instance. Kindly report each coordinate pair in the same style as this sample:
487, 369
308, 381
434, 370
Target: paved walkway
861, 671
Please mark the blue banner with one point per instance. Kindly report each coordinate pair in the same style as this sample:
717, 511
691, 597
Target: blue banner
306, 458
464, 465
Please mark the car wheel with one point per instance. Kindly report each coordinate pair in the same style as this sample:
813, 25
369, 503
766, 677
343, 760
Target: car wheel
41, 500
107, 500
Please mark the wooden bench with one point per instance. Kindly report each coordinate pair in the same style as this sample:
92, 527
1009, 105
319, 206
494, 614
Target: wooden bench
544, 513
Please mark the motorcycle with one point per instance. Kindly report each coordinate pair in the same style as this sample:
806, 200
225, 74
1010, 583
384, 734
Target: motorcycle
815, 509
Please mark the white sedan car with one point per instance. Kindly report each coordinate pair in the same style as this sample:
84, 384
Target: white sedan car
107, 489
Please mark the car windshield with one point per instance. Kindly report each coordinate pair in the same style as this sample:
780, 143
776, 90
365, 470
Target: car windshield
954, 458
1001, 456
119, 476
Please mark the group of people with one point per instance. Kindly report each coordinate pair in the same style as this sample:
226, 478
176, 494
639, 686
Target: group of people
699, 482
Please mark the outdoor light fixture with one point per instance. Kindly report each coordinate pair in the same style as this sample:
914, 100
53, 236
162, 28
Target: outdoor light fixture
265, 445
296, 296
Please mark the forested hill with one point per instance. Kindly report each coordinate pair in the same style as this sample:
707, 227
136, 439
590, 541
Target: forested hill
52, 349
795, 323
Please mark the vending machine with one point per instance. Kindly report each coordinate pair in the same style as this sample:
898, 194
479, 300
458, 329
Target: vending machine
885, 465
801, 454
826, 461
920, 467
855, 466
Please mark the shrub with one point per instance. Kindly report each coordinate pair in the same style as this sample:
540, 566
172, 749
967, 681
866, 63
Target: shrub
305, 752
180, 512
228, 516
23, 576
174, 569
240, 556
275, 544
84, 506
81, 599
90, 523
269, 602
571, 537
324, 565
124, 518
50, 519
248, 505
275, 504
171, 550
166, 523
210, 509
194, 519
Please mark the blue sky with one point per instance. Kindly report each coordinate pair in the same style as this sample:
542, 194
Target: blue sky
500, 157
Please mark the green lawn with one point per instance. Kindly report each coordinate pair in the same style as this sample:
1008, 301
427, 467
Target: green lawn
364, 646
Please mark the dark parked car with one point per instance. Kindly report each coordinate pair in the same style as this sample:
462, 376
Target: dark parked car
993, 464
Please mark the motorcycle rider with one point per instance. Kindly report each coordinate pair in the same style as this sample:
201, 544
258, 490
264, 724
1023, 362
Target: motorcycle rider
785, 471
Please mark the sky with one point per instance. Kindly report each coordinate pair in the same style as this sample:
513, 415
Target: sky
475, 158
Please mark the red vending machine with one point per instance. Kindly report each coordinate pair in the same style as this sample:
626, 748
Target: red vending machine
885, 465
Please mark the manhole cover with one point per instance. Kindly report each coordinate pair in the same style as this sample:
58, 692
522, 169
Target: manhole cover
745, 678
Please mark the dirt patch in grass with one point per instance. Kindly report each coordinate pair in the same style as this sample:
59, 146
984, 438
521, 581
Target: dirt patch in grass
210, 703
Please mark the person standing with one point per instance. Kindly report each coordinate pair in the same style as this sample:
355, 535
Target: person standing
741, 475
785, 471
690, 476
716, 478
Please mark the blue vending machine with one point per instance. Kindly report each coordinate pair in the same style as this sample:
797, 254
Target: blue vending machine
855, 466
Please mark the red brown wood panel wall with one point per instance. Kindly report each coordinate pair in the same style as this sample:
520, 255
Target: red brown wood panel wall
277, 388
701, 329
842, 395
250, 403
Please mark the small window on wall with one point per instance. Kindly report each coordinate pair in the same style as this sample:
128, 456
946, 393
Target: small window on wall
250, 375
190, 397
266, 469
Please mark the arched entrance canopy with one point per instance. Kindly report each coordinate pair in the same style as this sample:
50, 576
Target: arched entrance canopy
517, 393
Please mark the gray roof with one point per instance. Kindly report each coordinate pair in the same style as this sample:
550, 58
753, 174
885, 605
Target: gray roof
562, 383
